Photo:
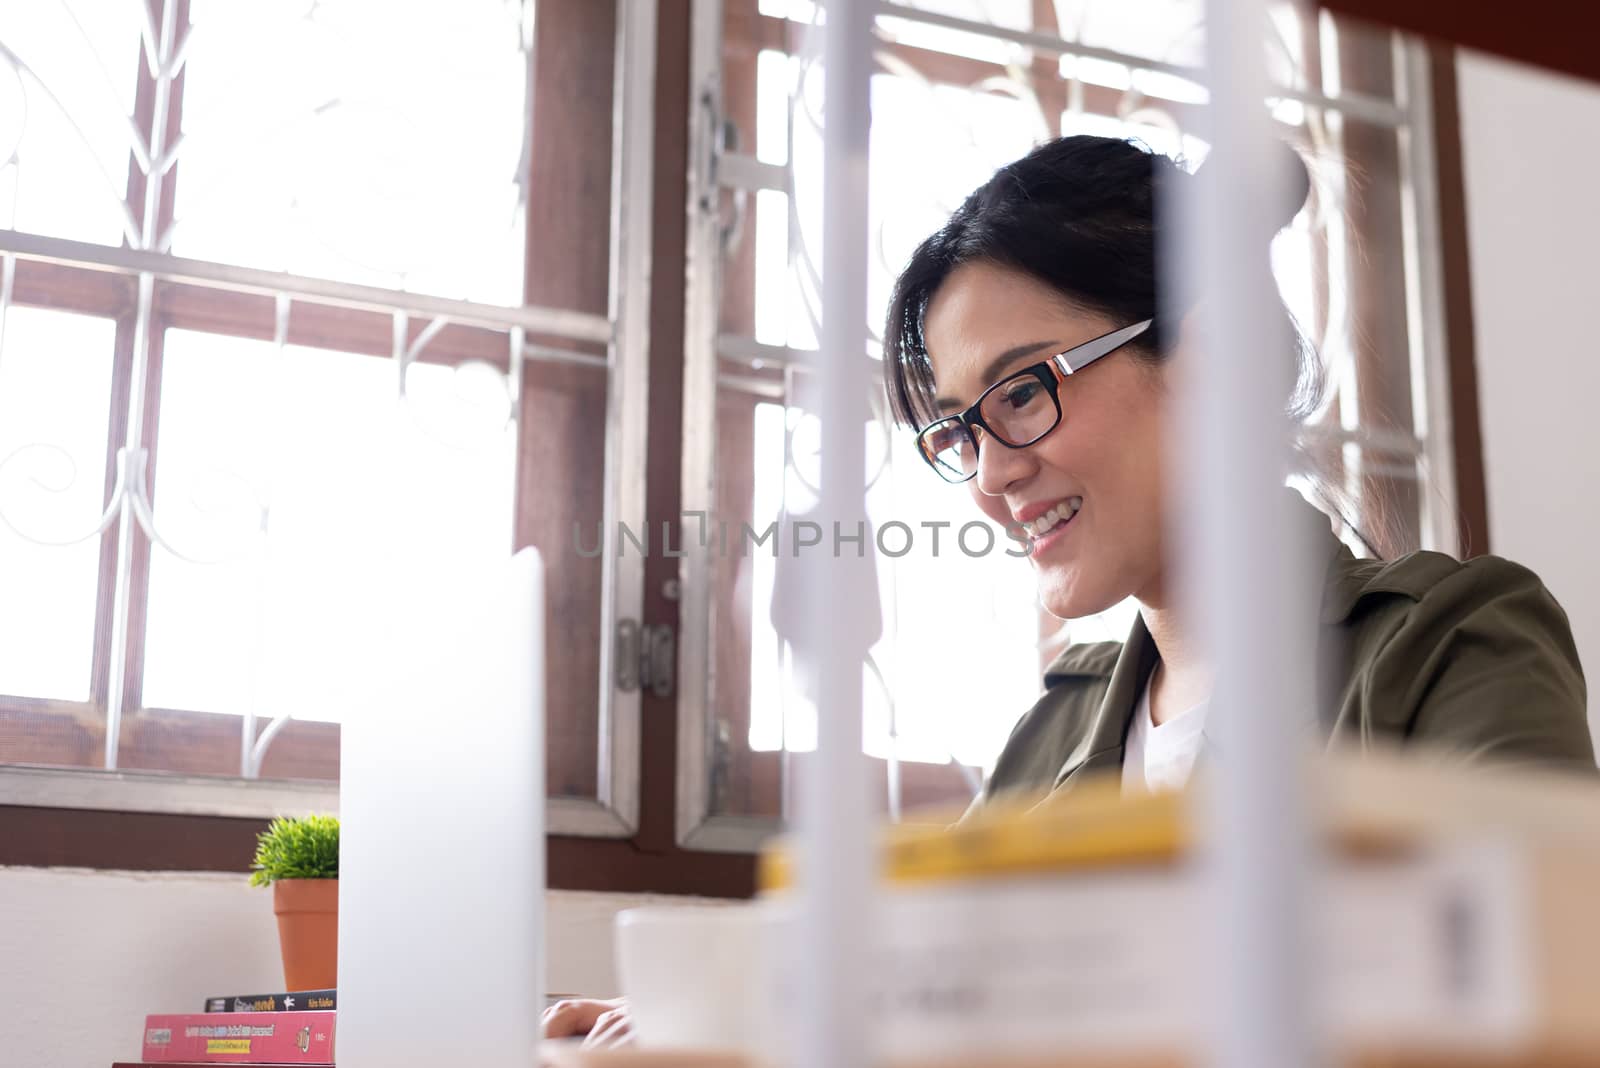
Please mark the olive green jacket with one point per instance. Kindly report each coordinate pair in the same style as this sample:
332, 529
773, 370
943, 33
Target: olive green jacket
1472, 658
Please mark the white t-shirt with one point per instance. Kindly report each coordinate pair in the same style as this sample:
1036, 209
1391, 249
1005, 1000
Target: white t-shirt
1160, 758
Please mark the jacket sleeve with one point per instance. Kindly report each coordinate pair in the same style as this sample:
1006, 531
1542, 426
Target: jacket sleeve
1493, 670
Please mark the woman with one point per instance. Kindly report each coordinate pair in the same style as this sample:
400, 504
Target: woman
1024, 348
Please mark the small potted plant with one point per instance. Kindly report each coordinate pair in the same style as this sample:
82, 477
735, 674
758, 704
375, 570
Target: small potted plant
299, 858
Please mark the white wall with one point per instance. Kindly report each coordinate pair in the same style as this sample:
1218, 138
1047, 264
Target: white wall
1532, 174
85, 955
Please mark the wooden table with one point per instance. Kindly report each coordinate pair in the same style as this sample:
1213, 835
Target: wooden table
1409, 1059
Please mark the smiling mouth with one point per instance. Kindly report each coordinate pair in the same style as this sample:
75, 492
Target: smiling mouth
1054, 519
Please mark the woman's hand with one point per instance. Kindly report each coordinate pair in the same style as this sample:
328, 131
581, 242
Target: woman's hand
602, 1022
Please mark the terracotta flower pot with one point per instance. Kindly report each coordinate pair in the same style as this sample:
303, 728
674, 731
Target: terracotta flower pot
308, 932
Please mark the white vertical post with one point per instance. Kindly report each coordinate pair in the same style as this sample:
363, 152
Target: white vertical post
1245, 569
840, 611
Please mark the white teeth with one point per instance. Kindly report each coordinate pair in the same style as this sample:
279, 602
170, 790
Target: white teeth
1047, 522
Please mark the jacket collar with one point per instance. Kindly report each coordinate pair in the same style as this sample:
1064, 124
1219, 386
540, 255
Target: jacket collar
1351, 580
1347, 580
1128, 675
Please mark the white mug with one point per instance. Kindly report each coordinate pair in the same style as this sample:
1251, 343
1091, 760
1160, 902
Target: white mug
699, 977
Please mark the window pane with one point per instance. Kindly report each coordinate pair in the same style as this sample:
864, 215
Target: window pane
974, 130
1008, 14
988, 640
962, 598
66, 91
1169, 30
55, 396
357, 487
392, 157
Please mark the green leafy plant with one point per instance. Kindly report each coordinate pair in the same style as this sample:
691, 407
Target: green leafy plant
301, 847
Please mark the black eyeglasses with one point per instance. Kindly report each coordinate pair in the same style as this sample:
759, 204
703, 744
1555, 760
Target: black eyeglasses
1016, 411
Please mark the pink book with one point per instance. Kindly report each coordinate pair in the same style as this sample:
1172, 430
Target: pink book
226, 1037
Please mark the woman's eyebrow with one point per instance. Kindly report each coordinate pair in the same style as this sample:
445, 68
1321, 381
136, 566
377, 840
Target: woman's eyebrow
992, 369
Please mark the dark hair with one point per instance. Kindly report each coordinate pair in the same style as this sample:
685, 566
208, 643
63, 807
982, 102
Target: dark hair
1082, 215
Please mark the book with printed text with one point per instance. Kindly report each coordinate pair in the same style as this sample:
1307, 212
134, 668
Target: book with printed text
290, 1037
292, 1001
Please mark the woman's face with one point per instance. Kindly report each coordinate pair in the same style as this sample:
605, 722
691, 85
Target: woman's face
1107, 454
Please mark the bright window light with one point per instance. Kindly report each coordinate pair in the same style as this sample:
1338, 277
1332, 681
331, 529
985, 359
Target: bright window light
55, 394
360, 488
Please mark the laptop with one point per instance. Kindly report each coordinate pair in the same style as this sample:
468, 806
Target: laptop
441, 882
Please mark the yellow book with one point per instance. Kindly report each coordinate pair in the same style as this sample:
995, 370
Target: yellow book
1359, 804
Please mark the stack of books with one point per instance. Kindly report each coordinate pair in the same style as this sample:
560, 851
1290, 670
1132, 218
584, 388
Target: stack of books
256, 1029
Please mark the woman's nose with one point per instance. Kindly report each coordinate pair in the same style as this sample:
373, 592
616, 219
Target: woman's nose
1000, 468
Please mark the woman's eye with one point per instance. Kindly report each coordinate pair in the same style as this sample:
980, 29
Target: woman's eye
1022, 394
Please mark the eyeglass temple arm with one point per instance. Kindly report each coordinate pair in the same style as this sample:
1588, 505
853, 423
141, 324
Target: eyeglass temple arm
1074, 360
